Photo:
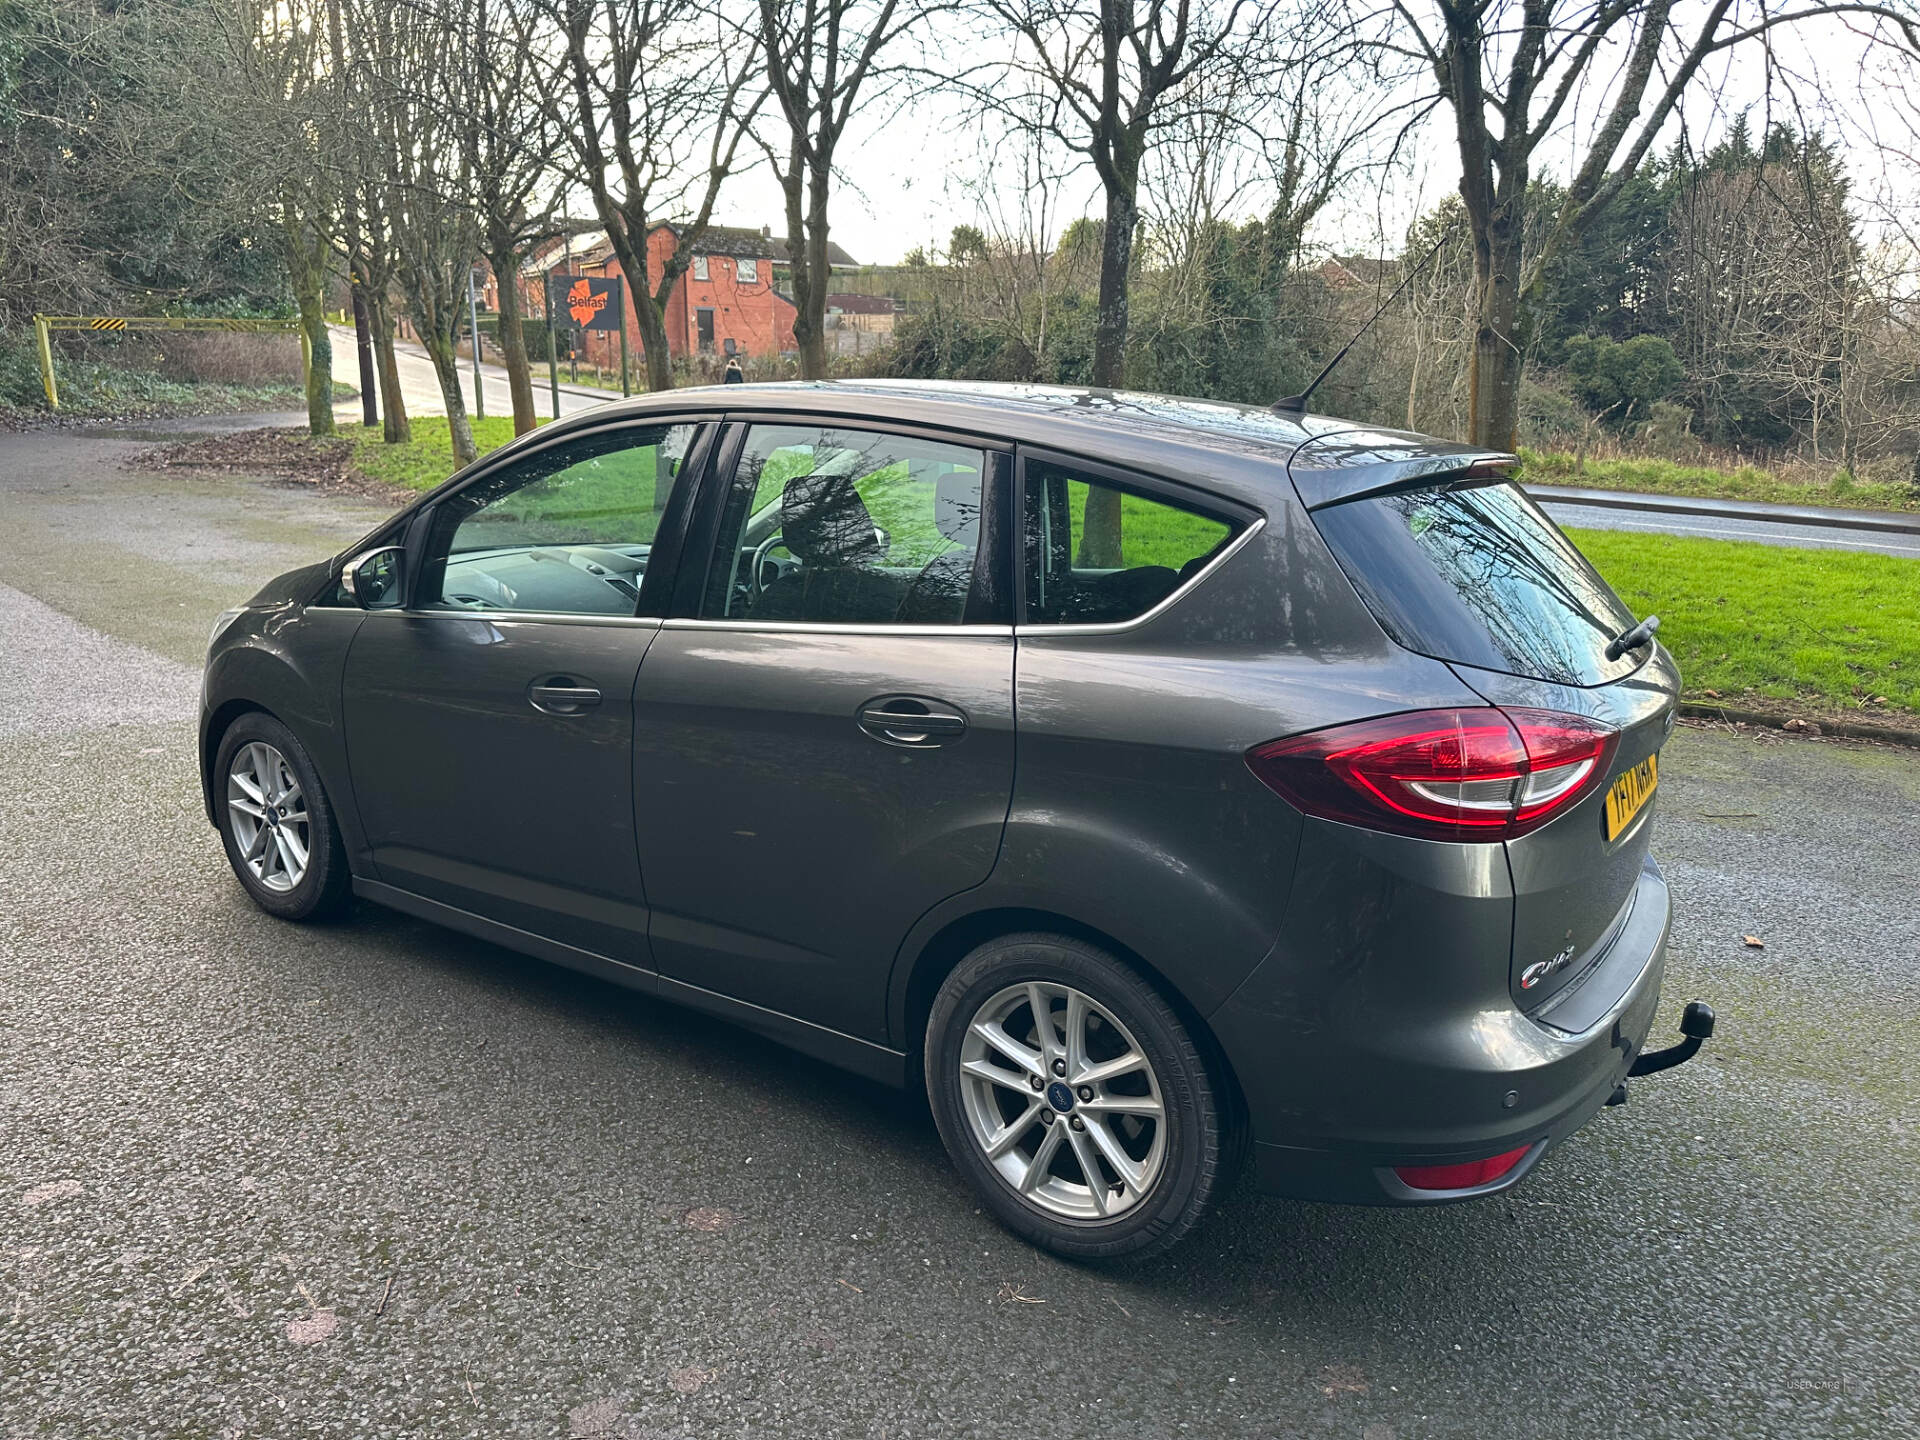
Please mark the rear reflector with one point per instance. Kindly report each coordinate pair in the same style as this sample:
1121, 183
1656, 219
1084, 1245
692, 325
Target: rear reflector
1459, 1177
1480, 774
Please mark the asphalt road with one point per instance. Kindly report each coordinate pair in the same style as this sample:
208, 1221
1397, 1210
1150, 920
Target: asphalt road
381, 1180
421, 386
1766, 532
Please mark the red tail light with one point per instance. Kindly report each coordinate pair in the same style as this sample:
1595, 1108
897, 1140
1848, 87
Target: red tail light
1442, 774
1460, 1177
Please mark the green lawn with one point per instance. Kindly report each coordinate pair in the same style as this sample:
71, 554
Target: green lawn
1664, 477
425, 460
1831, 627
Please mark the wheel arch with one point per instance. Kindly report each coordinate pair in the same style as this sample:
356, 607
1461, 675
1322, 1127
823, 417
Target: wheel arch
918, 979
220, 720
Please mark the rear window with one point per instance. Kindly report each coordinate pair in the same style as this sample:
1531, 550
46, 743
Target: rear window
1479, 576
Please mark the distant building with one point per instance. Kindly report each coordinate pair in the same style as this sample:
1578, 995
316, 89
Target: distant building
727, 301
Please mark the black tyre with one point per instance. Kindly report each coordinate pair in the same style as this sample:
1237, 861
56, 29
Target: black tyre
276, 822
1073, 1098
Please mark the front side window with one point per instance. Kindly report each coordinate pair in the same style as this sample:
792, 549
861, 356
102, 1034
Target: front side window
565, 531
749, 271
833, 526
1097, 554
700, 267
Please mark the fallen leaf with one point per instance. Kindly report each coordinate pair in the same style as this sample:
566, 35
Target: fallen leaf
1338, 1380
710, 1219
689, 1379
314, 1328
56, 1190
596, 1417
1753, 942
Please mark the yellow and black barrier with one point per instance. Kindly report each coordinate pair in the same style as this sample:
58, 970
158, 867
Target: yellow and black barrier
45, 325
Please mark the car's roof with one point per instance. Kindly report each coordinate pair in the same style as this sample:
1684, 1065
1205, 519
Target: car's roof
1240, 450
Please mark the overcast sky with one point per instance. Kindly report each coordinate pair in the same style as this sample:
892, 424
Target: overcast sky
915, 170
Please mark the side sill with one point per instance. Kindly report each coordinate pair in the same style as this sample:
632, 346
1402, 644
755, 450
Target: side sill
633, 977
863, 1057
849, 1052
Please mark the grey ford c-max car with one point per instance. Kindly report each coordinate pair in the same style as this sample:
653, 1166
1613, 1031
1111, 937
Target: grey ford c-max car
1164, 783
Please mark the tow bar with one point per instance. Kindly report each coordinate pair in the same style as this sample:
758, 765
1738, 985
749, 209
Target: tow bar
1696, 1024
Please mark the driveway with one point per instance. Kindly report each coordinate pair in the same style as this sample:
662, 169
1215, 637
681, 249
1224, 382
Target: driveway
381, 1180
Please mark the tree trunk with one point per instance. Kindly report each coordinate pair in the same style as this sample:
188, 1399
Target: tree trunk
306, 268
437, 317
363, 348
1116, 261
313, 320
513, 335
808, 266
446, 369
1498, 350
1100, 538
655, 348
395, 427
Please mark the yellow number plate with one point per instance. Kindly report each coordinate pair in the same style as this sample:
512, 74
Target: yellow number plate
1631, 792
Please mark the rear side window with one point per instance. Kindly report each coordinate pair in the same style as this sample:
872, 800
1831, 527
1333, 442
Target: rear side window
826, 525
1097, 554
1481, 577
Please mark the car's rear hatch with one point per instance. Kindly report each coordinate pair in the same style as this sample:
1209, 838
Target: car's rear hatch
1461, 565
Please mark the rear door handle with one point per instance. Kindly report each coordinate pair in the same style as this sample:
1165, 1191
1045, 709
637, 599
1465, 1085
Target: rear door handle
910, 722
560, 696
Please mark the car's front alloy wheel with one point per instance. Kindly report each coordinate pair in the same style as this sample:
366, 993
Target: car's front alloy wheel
1070, 1093
268, 812
276, 823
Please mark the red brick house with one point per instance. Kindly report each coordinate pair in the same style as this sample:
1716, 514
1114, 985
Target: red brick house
725, 304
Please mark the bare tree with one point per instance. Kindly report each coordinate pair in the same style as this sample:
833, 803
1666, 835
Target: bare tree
283, 97
1602, 77
659, 96
1126, 71
429, 195
502, 102
821, 59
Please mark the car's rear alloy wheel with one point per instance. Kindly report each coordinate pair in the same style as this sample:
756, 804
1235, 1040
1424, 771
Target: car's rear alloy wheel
275, 821
1070, 1093
1062, 1101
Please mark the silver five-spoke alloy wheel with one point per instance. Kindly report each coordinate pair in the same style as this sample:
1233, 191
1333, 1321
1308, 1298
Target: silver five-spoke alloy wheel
1063, 1102
268, 814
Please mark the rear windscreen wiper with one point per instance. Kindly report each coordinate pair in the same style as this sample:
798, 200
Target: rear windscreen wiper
1632, 639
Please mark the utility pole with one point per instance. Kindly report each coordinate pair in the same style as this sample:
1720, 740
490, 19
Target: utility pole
553, 349
473, 326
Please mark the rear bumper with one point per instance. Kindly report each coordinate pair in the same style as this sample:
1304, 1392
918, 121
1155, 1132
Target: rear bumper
1337, 1103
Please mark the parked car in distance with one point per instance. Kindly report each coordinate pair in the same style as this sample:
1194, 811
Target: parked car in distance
1166, 783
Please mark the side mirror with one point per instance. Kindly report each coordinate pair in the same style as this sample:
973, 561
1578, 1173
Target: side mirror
373, 578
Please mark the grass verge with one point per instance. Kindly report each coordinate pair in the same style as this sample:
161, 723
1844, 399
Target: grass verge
1665, 477
1773, 627
425, 460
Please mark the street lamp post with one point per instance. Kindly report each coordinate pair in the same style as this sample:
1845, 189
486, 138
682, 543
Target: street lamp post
473, 326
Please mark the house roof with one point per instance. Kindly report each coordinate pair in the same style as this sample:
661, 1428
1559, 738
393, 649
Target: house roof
592, 247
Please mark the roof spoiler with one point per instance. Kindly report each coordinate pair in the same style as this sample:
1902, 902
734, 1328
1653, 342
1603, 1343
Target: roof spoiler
1327, 472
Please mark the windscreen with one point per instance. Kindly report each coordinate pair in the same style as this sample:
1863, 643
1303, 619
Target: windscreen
1478, 575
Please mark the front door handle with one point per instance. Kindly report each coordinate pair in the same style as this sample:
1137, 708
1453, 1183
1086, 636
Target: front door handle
561, 696
911, 722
